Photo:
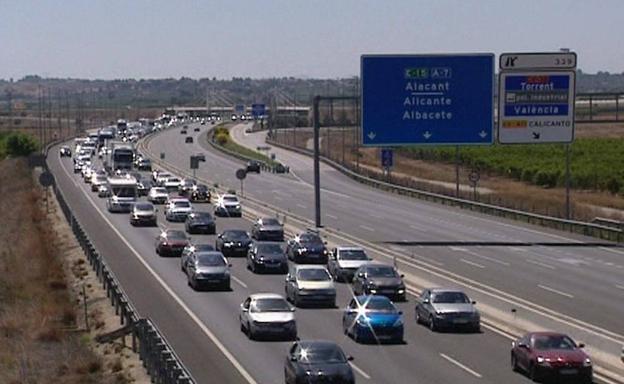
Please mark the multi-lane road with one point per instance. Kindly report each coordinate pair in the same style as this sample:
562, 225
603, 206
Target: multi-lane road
575, 288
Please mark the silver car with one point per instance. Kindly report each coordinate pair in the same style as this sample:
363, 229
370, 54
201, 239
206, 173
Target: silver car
267, 314
310, 284
157, 195
442, 308
143, 214
177, 209
208, 269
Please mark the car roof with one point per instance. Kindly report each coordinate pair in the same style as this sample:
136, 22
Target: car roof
300, 267
347, 248
178, 199
377, 264
215, 253
364, 298
441, 289
256, 296
318, 343
546, 333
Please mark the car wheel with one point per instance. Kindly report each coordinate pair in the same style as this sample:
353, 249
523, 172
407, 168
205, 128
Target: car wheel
253, 267
418, 318
432, 324
514, 363
533, 373
250, 333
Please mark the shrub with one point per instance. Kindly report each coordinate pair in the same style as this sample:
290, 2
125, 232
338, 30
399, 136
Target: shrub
20, 144
221, 138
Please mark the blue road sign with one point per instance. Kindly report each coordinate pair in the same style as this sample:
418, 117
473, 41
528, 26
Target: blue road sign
239, 108
427, 99
387, 160
258, 110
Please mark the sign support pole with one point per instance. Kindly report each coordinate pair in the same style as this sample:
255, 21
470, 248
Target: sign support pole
317, 174
567, 183
457, 171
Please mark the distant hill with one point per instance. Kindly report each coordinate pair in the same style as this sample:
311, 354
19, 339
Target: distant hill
238, 90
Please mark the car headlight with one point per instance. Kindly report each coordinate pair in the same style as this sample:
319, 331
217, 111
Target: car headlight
227, 244
587, 362
324, 251
362, 320
542, 361
301, 250
398, 322
226, 273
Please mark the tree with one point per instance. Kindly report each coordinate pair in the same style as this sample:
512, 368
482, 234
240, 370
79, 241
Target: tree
20, 144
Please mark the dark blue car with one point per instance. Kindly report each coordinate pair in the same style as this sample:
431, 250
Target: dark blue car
373, 319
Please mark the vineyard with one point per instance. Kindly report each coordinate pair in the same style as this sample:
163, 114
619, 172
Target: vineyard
596, 163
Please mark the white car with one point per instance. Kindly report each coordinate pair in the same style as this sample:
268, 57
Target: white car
177, 209
267, 314
97, 179
161, 177
344, 261
228, 205
310, 284
172, 183
86, 173
158, 195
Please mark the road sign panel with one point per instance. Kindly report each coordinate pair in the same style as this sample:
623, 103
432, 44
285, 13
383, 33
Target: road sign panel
536, 107
241, 174
427, 99
387, 159
541, 60
258, 110
239, 108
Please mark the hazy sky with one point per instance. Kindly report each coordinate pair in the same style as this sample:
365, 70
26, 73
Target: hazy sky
225, 38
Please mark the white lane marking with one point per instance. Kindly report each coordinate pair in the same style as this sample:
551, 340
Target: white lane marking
367, 228
301, 206
431, 261
611, 250
239, 281
418, 228
457, 249
239, 367
517, 249
531, 261
472, 263
331, 216
619, 286
553, 290
493, 260
460, 365
360, 371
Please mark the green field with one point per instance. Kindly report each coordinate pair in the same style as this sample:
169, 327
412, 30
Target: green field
597, 164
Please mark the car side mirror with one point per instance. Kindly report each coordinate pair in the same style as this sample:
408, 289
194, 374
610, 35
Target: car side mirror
293, 309
426, 301
349, 358
242, 306
400, 312
581, 345
474, 302
402, 276
523, 346
293, 358
230, 265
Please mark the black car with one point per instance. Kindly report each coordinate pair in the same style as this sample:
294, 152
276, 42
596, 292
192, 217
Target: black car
144, 165
233, 242
314, 362
65, 151
379, 279
143, 187
267, 257
196, 129
200, 222
307, 247
189, 139
267, 228
200, 193
253, 166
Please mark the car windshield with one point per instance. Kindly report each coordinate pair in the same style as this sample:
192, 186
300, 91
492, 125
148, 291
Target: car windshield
173, 180
124, 192
230, 199
164, 175
210, 259
381, 271
202, 188
160, 190
176, 235
450, 298
352, 254
100, 178
270, 305
310, 239
553, 342
143, 207
236, 235
202, 215
269, 248
379, 304
203, 247
324, 354
313, 274
270, 221
182, 204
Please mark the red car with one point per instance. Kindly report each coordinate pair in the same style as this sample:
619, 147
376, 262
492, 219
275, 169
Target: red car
171, 243
549, 355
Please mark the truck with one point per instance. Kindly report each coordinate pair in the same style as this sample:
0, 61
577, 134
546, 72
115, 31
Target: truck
120, 156
122, 193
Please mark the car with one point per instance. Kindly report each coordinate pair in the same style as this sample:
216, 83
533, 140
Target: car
266, 257
143, 214
171, 183
253, 166
379, 279
200, 193
86, 173
159, 177
97, 180
186, 186
203, 122
200, 222
317, 361
267, 228
307, 247
196, 129
78, 166
344, 261
189, 249
177, 209
65, 151
551, 355
143, 187
373, 319
267, 314
189, 139
228, 205
443, 308
144, 165
310, 284
183, 131
103, 191
157, 195
233, 242
279, 168
171, 242
208, 268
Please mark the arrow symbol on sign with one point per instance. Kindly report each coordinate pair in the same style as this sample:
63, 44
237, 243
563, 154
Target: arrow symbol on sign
483, 134
536, 135
427, 135
372, 135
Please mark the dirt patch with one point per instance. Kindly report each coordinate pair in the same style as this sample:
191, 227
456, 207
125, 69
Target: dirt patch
44, 334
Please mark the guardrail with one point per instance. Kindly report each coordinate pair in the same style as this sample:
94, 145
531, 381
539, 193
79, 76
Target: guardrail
159, 359
594, 230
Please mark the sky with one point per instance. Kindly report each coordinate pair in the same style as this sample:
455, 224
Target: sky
302, 38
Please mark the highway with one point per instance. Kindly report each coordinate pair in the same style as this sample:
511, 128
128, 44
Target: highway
203, 326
